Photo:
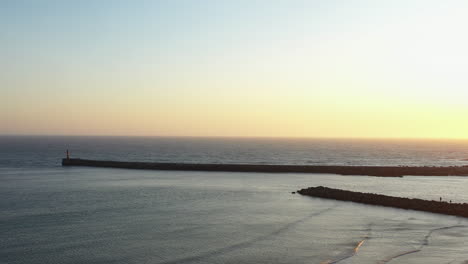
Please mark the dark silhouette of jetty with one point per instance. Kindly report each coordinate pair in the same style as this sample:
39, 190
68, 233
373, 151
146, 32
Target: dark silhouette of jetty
382, 171
389, 201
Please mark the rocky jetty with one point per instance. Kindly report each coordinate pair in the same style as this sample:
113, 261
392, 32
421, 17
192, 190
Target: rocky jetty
382, 171
437, 207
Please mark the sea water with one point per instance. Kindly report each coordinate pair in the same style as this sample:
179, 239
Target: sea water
54, 214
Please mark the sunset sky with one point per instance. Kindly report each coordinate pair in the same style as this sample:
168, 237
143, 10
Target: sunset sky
235, 68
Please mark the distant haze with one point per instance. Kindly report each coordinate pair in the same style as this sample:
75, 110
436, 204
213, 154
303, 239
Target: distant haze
235, 68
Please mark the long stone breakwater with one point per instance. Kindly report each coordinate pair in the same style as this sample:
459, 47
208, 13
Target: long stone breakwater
389, 201
382, 171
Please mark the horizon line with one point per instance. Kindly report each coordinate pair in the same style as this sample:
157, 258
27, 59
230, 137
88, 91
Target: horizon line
231, 137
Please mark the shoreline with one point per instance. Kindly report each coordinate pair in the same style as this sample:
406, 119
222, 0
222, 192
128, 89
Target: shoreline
379, 171
456, 209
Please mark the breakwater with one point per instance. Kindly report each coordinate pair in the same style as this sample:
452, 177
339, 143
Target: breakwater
389, 201
382, 171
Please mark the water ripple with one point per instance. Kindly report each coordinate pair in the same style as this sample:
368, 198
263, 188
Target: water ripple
248, 243
424, 243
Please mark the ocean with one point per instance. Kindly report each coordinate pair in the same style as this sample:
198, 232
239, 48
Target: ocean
55, 214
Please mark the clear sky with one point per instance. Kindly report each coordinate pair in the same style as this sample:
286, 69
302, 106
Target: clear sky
271, 68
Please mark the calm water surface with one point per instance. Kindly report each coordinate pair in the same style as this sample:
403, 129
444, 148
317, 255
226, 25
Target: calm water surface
52, 214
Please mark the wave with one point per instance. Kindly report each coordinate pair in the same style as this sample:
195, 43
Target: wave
355, 250
424, 243
246, 244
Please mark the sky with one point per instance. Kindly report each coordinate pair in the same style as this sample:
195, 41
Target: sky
244, 68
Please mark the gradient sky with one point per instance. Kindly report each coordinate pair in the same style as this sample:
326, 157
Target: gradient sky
287, 68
